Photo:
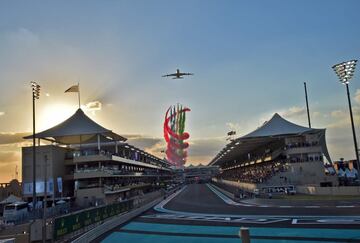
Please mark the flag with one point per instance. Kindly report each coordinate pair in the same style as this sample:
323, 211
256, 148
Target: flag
74, 88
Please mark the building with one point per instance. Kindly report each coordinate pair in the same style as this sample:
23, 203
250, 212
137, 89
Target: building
10, 188
9, 192
200, 173
90, 164
276, 154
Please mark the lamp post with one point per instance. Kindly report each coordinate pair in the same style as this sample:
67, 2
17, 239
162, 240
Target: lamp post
44, 235
35, 95
345, 72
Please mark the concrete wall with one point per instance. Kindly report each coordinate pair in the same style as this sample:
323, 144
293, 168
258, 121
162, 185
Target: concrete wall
313, 190
335, 191
86, 196
242, 185
55, 164
89, 158
303, 173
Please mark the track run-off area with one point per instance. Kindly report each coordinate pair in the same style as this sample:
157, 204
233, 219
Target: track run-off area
202, 213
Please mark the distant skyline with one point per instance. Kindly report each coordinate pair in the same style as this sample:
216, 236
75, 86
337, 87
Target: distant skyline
250, 59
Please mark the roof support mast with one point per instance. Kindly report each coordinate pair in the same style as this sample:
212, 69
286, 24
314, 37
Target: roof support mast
307, 105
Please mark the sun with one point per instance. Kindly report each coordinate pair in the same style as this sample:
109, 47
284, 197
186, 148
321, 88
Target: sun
53, 114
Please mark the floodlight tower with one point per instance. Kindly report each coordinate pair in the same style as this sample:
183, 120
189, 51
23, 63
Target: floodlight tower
35, 96
345, 72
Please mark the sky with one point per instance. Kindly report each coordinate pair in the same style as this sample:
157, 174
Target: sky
250, 59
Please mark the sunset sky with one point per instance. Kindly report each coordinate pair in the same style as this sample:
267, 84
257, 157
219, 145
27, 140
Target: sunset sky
250, 59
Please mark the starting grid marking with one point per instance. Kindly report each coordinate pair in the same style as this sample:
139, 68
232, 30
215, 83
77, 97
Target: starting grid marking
256, 220
251, 219
216, 218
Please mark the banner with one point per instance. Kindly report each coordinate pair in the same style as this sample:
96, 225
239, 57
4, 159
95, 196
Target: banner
40, 187
71, 223
59, 184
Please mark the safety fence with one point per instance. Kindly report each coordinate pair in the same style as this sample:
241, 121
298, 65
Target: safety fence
74, 222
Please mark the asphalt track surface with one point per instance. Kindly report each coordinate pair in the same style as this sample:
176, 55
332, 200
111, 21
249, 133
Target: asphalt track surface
190, 216
198, 198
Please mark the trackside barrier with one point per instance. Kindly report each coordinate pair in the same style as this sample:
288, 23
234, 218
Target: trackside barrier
12, 240
244, 235
72, 223
114, 222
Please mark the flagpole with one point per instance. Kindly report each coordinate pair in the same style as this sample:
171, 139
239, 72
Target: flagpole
79, 93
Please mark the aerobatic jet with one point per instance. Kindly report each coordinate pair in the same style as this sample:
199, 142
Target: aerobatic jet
177, 75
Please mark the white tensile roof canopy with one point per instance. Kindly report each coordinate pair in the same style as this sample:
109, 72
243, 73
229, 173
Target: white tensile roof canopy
11, 199
79, 128
277, 127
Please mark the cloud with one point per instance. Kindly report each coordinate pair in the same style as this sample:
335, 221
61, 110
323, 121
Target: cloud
9, 157
23, 37
8, 162
197, 160
157, 149
357, 96
341, 118
337, 114
93, 106
8, 138
143, 142
293, 112
316, 114
205, 147
200, 150
233, 126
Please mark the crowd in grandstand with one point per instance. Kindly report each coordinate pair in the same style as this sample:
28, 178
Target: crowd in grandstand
301, 145
299, 159
254, 174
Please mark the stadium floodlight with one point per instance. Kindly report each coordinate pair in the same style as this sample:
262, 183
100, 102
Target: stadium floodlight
35, 88
345, 71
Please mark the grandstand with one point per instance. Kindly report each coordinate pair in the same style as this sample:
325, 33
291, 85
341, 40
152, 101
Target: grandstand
279, 153
200, 173
90, 164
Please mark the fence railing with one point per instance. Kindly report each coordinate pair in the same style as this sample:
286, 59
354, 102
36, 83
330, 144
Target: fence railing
73, 222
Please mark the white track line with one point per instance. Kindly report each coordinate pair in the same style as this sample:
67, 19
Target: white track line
226, 199
160, 208
229, 201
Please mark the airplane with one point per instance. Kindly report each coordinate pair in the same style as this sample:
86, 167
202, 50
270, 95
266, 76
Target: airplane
177, 75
